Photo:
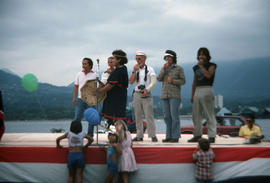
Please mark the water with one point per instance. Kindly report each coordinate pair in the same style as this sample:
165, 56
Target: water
46, 126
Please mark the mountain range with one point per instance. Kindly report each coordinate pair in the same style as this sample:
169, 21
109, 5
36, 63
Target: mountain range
238, 81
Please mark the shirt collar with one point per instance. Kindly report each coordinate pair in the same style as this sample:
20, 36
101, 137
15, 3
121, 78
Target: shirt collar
87, 72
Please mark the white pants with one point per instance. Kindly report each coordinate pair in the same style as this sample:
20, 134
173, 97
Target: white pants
144, 106
204, 101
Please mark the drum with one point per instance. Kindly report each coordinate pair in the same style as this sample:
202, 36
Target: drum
88, 90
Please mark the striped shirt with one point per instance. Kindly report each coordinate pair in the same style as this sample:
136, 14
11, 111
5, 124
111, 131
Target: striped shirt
203, 163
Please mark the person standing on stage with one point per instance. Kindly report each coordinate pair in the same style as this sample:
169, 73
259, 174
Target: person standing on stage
203, 97
106, 74
86, 74
114, 106
104, 78
172, 77
144, 77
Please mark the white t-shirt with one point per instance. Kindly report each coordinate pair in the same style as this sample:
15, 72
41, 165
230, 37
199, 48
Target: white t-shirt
75, 140
81, 78
141, 81
104, 77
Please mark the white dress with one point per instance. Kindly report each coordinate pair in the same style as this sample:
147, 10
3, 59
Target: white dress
127, 161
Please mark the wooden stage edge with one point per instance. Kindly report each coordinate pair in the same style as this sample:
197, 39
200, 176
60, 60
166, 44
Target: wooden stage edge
48, 139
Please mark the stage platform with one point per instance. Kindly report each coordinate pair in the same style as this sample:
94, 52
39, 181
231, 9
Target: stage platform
33, 157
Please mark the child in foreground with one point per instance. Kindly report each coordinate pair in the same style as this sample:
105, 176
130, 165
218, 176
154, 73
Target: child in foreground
203, 157
127, 161
76, 161
113, 151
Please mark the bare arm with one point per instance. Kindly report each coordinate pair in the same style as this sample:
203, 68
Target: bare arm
106, 88
132, 78
207, 73
75, 93
118, 148
90, 140
60, 138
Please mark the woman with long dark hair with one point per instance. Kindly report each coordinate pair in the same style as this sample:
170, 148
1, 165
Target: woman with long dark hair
114, 106
203, 97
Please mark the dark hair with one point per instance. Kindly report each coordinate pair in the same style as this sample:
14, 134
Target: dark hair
204, 144
171, 53
76, 126
90, 62
120, 55
252, 116
115, 135
205, 51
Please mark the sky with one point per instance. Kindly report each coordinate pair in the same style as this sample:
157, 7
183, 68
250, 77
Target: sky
50, 38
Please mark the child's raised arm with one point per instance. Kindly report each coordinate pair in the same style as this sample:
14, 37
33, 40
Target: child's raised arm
60, 138
90, 140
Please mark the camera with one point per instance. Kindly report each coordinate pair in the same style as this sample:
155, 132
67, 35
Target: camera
141, 87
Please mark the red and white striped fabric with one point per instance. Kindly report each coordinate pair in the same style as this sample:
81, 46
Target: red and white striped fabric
156, 164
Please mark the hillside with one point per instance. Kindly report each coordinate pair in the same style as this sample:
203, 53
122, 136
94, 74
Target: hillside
48, 102
240, 82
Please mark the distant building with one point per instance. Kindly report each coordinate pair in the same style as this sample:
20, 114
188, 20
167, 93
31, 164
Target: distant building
219, 101
224, 111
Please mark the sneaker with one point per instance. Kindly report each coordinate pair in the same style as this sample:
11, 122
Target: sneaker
212, 139
136, 139
166, 140
154, 139
194, 139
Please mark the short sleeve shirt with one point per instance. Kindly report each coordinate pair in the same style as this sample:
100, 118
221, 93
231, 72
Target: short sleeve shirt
75, 140
246, 132
81, 78
150, 72
201, 80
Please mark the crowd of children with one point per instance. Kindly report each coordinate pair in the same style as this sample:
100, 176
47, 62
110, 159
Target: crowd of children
120, 156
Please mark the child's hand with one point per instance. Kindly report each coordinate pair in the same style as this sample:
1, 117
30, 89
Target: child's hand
59, 146
103, 148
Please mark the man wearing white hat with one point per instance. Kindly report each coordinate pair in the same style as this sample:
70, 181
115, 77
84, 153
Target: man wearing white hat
145, 80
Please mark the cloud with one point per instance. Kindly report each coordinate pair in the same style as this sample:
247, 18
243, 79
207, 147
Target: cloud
50, 38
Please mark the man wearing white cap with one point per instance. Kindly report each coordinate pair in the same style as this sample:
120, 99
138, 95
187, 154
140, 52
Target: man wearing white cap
145, 80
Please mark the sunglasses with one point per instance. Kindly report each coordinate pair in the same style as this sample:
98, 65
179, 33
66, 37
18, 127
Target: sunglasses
249, 121
138, 59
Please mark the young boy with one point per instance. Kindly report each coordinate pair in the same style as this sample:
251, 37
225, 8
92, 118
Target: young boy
203, 157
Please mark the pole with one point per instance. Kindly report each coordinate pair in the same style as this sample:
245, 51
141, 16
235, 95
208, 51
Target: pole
97, 94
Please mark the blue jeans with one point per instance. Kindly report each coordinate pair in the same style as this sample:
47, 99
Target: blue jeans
171, 117
81, 106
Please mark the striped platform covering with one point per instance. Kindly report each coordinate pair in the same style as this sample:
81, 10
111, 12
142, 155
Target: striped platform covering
34, 158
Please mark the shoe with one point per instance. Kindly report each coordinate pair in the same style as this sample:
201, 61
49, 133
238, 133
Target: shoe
194, 139
136, 139
174, 140
154, 139
212, 139
166, 140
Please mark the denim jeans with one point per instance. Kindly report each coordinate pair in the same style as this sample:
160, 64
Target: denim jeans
171, 117
81, 106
